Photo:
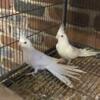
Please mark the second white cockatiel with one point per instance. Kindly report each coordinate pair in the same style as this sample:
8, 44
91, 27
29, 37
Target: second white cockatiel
66, 50
40, 61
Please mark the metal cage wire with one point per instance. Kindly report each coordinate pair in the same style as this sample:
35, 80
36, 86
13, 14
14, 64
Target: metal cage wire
15, 22
22, 18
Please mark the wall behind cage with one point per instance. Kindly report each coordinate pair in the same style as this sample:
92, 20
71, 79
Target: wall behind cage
82, 17
84, 21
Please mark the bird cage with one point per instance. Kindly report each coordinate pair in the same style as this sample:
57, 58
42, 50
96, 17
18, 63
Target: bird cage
39, 20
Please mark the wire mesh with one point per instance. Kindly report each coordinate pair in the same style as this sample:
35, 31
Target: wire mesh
23, 17
44, 86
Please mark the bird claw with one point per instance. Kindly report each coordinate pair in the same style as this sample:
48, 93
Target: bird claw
32, 73
61, 61
69, 61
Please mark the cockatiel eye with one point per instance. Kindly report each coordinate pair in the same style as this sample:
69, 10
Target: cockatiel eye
25, 42
61, 35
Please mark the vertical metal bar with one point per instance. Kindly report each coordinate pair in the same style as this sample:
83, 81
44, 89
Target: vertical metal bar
65, 12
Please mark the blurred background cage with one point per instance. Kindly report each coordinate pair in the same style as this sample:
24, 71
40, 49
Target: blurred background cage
39, 20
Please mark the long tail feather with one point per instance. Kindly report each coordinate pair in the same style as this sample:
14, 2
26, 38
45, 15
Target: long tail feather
64, 72
64, 79
85, 53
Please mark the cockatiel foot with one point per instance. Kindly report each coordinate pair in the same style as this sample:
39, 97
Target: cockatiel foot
69, 62
62, 61
32, 73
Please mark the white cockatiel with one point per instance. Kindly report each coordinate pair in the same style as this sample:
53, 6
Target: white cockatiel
40, 61
66, 50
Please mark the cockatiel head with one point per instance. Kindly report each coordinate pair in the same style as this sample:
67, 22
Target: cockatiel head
24, 42
61, 36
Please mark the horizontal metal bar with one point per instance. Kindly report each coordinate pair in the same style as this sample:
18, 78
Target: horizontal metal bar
18, 13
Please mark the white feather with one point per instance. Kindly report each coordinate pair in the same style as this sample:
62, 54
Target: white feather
85, 53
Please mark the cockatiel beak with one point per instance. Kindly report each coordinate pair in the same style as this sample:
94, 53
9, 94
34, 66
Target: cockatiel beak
56, 36
19, 44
